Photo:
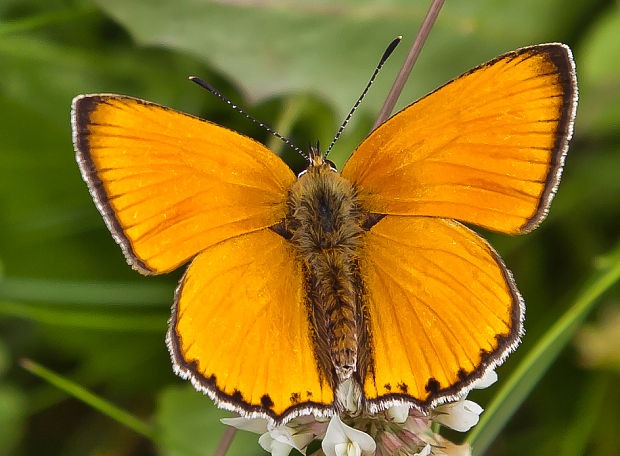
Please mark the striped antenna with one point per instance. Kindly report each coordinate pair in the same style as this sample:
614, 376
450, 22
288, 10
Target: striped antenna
385, 56
215, 92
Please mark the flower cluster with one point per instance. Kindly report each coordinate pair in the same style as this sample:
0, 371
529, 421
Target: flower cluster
399, 431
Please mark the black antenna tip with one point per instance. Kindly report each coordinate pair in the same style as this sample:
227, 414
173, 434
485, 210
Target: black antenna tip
390, 48
203, 84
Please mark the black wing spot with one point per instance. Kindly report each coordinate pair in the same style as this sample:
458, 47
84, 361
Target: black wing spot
388, 387
502, 339
462, 373
402, 386
308, 394
266, 401
295, 398
432, 386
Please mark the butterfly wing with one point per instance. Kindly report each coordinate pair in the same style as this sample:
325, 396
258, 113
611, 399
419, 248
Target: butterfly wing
443, 310
487, 148
170, 185
240, 329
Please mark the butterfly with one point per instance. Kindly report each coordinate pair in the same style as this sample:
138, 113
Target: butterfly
366, 278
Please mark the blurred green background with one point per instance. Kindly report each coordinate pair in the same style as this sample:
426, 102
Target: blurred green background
69, 301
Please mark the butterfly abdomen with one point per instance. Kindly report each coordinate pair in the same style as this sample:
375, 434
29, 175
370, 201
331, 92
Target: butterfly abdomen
325, 222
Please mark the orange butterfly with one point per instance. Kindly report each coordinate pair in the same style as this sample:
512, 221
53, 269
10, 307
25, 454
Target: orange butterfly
300, 285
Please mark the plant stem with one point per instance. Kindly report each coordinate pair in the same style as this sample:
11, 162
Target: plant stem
404, 72
225, 441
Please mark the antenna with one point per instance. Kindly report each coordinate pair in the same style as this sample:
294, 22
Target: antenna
215, 92
385, 56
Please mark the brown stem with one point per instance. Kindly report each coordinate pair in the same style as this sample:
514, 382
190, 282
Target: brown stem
225, 441
414, 52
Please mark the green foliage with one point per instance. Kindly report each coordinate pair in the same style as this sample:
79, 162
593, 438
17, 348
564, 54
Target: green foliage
599, 70
181, 412
69, 301
12, 402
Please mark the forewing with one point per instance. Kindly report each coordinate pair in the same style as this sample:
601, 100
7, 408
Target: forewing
240, 329
443, 310
487, 148
170, 185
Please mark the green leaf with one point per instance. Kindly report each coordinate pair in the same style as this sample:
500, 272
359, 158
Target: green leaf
138, 294
330, 48
88, 319
96, 402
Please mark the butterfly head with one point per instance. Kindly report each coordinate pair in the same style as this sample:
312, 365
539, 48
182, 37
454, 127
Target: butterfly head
318, 161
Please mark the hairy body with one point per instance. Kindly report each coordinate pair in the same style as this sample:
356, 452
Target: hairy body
325, 224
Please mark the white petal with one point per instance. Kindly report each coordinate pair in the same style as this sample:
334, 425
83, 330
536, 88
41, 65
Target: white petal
424, 451
398, 413
460, 415
339, 433
334, 436
288, 435
487, 380
274, 447
281, 433
348, 449
265, 441
256, 425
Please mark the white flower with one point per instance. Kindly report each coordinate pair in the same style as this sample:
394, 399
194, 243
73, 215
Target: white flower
278, 440
460, 415
487, 380
343, 440
398, 413
275, 447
